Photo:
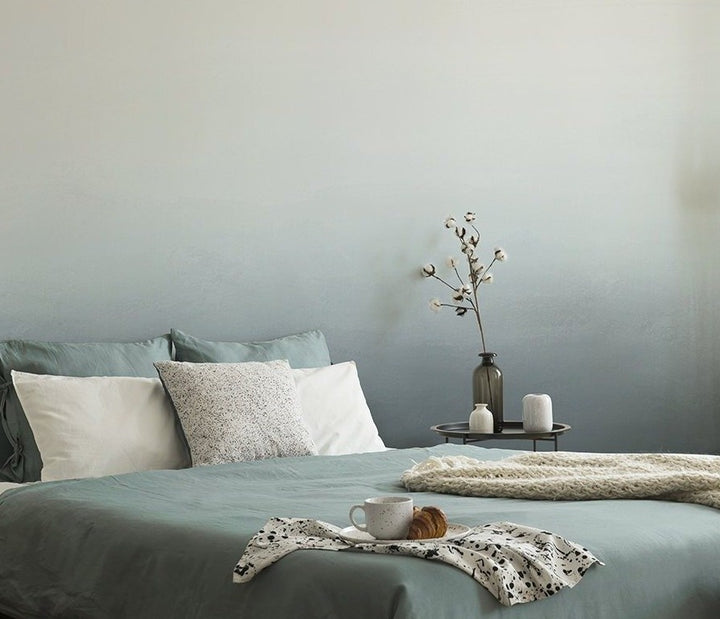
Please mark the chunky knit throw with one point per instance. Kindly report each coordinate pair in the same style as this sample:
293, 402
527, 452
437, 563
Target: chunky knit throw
570, 476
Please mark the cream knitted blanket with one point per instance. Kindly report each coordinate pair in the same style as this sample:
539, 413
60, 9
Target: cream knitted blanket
571, 476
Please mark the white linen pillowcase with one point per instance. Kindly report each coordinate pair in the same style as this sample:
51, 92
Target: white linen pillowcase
233, 412
100, 425
335, 410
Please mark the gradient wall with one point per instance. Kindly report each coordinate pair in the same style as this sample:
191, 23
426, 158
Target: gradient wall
244, 170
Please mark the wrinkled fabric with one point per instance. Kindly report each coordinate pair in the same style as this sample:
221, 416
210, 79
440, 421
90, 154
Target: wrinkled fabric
163, 544
515, 563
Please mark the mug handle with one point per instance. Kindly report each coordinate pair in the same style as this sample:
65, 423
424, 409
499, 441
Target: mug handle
359, 526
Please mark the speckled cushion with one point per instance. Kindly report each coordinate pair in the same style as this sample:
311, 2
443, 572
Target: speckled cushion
237, 411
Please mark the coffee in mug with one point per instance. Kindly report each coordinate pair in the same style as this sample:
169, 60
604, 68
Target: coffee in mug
386, 517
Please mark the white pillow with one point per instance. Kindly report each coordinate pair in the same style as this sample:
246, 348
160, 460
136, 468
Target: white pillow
237, 411
100, 425
335, 410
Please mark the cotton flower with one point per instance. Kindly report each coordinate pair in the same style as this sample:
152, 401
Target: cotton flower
463, 287
428, 270
500, 254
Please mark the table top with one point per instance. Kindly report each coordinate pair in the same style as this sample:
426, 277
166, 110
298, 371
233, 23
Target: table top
511, 430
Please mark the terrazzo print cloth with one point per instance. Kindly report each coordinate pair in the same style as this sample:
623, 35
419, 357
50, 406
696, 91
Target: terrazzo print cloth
570, 476
515, 563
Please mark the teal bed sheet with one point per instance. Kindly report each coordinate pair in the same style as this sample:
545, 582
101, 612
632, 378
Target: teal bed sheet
163, 544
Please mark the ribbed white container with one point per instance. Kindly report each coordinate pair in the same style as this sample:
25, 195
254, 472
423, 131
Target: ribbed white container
537, 412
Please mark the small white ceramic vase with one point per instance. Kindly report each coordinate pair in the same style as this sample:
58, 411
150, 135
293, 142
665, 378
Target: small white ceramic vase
481, 420
537, 412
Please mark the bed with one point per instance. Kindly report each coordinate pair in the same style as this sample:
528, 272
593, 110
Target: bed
163, 543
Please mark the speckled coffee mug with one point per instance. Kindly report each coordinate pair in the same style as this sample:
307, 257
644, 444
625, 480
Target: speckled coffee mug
386, 517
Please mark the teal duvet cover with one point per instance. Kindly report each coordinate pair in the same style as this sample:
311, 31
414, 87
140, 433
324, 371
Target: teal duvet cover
163, 544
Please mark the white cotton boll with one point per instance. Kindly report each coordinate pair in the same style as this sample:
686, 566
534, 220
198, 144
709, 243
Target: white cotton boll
452, 262
435, 305
428, 270
450, 222
500, 254
466, 289
487, 278
469, 216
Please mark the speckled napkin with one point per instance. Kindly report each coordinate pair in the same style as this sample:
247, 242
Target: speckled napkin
515, 563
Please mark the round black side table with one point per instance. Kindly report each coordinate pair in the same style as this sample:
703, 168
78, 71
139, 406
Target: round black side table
512, 430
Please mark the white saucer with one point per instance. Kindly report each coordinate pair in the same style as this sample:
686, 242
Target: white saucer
351, 534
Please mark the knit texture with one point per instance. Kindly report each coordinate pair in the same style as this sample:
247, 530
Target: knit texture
571, 476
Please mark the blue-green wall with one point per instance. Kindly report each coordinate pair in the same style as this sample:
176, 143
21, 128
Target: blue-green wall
243, 170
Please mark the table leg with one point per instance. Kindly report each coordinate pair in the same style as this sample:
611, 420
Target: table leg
534, 445
556, 438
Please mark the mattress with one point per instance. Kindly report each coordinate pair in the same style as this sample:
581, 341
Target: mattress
164, 543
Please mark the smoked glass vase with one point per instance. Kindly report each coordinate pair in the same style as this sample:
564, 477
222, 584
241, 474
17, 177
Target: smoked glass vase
488, 388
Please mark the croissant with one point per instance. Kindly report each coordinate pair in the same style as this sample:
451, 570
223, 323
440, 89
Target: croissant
428, 522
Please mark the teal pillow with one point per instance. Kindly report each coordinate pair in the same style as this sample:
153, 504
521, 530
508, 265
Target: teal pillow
86, 359
304, 350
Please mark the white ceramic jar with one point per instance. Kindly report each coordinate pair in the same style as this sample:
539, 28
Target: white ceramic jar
537, 412
481, 420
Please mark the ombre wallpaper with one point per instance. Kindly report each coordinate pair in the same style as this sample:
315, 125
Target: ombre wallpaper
245, 170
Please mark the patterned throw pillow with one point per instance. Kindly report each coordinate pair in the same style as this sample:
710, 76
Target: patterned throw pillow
237, 411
